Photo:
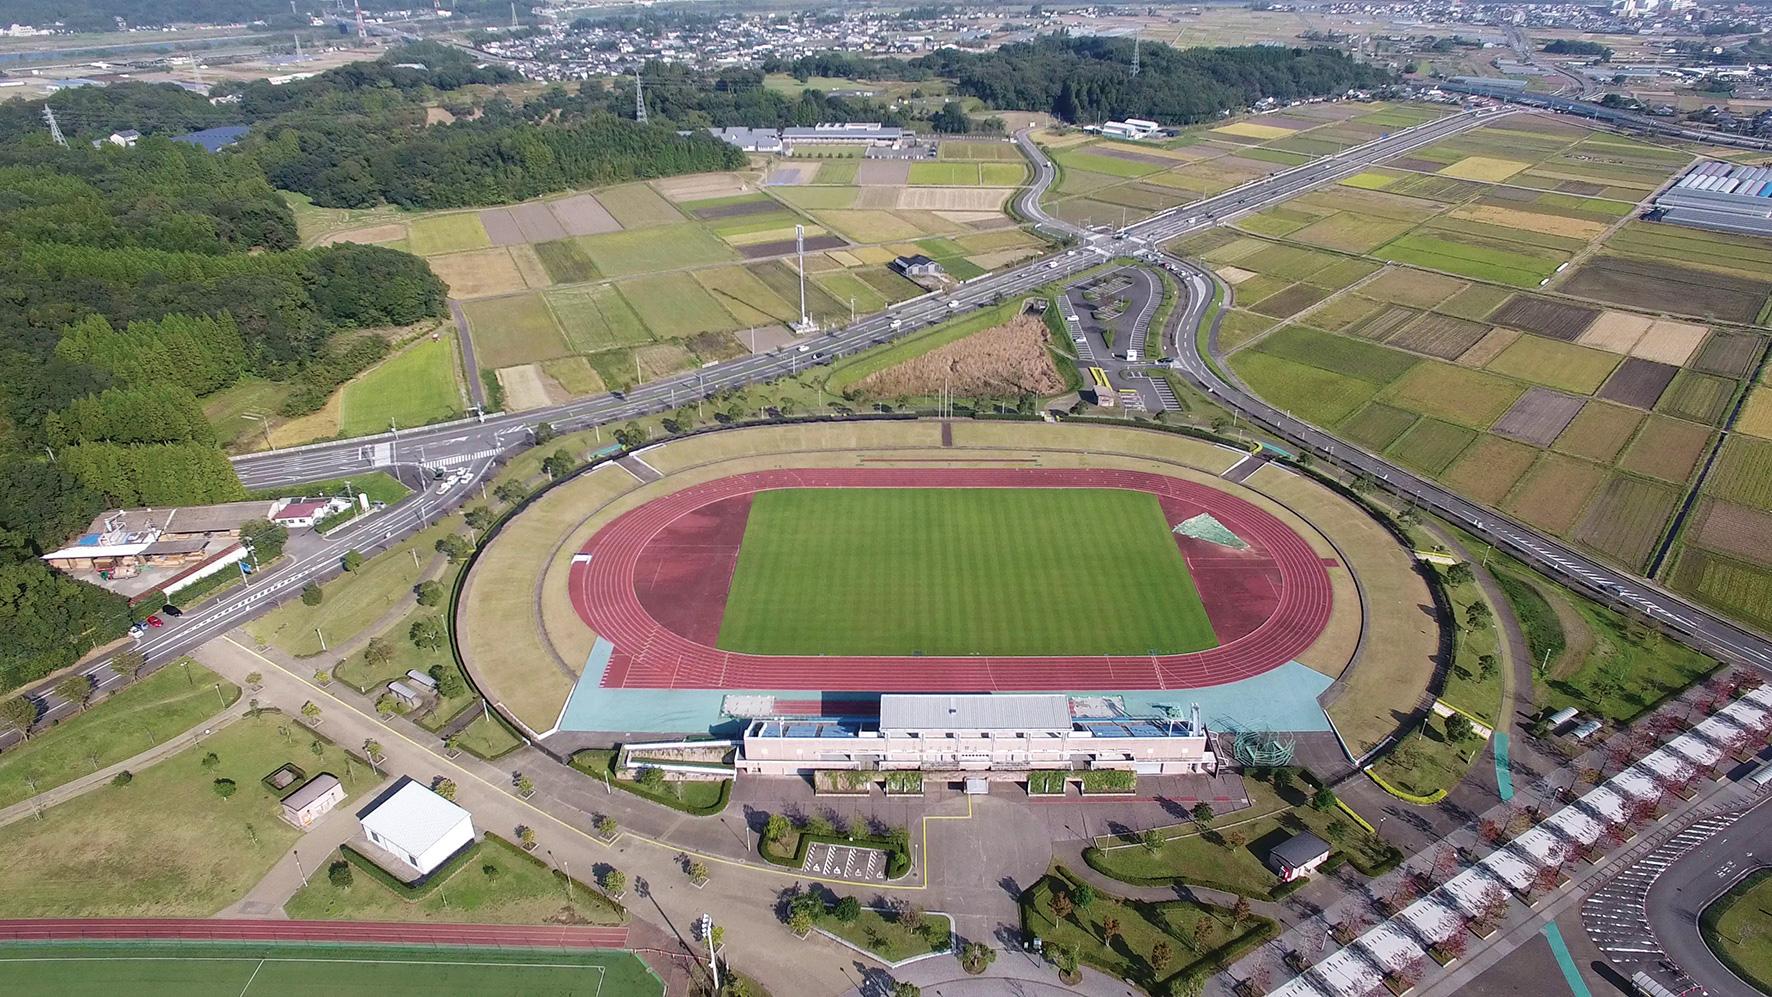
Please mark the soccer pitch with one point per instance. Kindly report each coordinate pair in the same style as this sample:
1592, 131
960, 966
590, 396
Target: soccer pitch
1016, 572
200, 970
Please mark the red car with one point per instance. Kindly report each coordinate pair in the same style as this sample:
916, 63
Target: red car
155, 622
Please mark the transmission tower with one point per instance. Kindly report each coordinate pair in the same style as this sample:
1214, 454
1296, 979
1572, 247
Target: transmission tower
362, 29
513, 13
639, 99
1135, 39
55, 130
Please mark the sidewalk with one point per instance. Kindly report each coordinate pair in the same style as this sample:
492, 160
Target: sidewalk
267, 897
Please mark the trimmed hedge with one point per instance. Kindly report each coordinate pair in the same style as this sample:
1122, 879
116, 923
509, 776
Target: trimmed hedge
1092, 857
630, 786
420, 887
1420, 801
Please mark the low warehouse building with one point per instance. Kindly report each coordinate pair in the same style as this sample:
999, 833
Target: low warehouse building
417, 827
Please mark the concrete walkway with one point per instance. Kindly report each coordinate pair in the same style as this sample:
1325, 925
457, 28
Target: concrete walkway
135, 763
305, 861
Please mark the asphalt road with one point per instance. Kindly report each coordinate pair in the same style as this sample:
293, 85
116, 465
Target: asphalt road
1686, 887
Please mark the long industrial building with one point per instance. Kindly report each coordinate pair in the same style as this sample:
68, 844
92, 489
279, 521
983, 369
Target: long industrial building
1724, 196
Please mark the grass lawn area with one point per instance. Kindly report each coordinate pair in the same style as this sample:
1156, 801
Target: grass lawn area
944, 174
519, 890
619, 253
880, 933
433, 235
488, 738
1213, 859
227, 409
1466, 686
380, 486
1426, 762
197, 969
693, 796
415, 387
1736, 927
1626, 670
134, 719
353, 600
359, 674
1142, 926
824, 571
167, 845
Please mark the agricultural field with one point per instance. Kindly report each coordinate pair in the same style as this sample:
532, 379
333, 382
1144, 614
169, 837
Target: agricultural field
1531, 342
420, 384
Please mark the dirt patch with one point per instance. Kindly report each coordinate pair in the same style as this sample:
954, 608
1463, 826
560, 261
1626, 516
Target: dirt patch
738, 210
1439, 336
366, 236
1235, 275
1291, 301
883, 173
500, 227
1735, 529
1637, 382
1616, 331
582, 214
1655, 286
481, 272
1554, 319
1670, 342
791, 174
702, 186
763, 250
1539, 416
952, 198
524, 388
1010, 359
538, 222
1417, 164
1489, 347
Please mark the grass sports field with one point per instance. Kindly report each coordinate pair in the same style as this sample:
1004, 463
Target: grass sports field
1018, 572
224, 970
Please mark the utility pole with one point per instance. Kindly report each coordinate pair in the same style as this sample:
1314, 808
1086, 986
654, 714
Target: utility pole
639, 98
1135, 39
55, 130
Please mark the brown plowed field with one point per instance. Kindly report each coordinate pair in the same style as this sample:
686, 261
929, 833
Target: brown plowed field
1600, 431
1010, 359
582, 214
1488, 468
1655, 286
1489, 347
1666, 448
1439, 336
1291, 301
1545, 317
1552, 495
763, 250
1734, 529
1637, 382
1539, 416
1731, 354
500, 227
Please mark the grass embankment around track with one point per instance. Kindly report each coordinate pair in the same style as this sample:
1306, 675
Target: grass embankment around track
193, 969
961, 571
168, 844
1736, 926
130, 721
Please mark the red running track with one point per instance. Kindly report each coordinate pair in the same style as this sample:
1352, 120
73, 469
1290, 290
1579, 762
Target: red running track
649, 655
341, 932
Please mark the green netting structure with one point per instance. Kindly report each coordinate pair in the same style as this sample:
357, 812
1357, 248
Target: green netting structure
1204, 527
1263, 749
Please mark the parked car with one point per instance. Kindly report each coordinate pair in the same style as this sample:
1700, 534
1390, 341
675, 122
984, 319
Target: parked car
173, 611
155, 622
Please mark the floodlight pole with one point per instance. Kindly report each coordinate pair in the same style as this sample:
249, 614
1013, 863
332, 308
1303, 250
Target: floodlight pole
299, 870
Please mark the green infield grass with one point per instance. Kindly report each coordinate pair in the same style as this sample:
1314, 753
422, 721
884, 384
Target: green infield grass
133, 719
195, 969
961, 571
413, 388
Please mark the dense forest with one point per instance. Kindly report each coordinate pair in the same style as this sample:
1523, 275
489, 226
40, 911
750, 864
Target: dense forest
1090, 79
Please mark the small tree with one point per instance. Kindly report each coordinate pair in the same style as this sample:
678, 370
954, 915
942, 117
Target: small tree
1064, 959
776, 827
525, 785
976, 957
428, 633
615, 882
19, 713
378, 652
1062, 906
339, 874
604, 825
372, 748
652, 777
123, 778
1110, 929
905, 988
429, 593
1240, 911
1202, 813
1084, 895
1151, 839
210, 761
1323, 799
455, 547
128, 663
1283, 780
444, 787
800, 922
225, 788
311, 710
352, 560
847, 910
1204, 930
1458, 728
511, 491
450, 684
1478, 616
322, 677
526, 837
698, 871
479, 517
1161, 956
1459, 574
76, 689
312, 595
255, 679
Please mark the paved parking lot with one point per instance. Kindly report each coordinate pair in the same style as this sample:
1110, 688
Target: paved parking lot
847, 862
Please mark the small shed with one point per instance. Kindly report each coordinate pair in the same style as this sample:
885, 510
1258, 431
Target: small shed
421, 679
406, 694
1297, 856
417, 827
314, 800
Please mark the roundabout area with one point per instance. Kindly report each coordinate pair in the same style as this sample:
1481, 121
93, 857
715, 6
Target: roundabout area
804, 570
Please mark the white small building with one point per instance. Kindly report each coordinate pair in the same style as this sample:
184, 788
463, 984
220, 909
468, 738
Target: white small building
125, 138
417, 827
304, 513
314, 800
1132, 128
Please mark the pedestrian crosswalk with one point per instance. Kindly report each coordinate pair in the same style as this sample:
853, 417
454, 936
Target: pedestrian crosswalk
456, 460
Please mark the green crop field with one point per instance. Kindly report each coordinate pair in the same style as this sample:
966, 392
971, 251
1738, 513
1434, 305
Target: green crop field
648, 250
415, 387
961, 571
944, 174
675, 305
1501, 264
433, 235
245, 970
1312, 393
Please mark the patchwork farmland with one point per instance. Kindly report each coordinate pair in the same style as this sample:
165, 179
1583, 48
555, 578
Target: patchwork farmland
604, 288
1519, 334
